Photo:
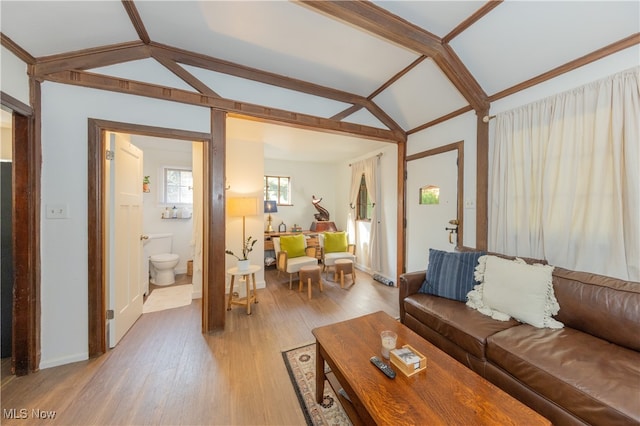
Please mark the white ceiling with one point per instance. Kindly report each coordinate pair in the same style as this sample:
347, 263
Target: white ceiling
514, 42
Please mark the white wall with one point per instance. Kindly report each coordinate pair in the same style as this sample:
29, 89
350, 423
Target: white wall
182, 229
245, 176
14, 80
612, 64
65, 111
6, 141
461, 128
307, 179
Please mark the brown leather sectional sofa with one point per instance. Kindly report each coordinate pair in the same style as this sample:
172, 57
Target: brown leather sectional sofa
585, 373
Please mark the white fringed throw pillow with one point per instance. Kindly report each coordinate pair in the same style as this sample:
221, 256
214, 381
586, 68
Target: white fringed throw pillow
512, 288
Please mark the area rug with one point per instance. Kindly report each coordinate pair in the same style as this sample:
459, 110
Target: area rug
168, 298
301, 365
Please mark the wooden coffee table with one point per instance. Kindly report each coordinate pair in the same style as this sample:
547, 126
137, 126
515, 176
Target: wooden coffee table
445, 393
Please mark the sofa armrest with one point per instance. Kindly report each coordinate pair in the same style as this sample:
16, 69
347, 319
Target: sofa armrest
310, 251
281, 261
409, 284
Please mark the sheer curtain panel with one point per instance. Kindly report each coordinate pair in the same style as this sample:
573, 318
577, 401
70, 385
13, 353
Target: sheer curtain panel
564, 182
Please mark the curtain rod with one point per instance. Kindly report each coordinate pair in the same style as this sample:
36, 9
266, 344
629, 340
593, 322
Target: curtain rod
377, 155
486, 118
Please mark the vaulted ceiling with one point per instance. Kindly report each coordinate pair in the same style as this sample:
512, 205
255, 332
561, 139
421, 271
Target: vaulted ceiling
379, 70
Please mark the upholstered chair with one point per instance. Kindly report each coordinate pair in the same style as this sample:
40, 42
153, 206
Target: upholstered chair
292, 254
334, 246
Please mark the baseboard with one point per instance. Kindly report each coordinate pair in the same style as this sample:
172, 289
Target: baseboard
64, 360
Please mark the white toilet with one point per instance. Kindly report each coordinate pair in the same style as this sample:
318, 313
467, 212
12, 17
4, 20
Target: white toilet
161, 261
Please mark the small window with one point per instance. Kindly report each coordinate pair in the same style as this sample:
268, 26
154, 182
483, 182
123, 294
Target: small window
430, 194
178, 186
278, 188
364, 202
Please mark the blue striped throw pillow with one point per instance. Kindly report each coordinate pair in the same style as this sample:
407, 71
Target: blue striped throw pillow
450, 275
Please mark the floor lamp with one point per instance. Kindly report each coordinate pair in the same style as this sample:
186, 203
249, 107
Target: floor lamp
242, 206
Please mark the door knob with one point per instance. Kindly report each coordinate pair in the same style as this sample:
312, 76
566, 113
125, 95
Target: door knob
144, 237
453, 229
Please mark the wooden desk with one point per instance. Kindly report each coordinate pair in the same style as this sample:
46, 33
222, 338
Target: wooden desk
446, 392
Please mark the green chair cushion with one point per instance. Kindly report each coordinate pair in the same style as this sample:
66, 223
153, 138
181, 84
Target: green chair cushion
335, 242
293, 245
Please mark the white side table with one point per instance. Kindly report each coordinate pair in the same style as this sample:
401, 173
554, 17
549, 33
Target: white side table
251, 297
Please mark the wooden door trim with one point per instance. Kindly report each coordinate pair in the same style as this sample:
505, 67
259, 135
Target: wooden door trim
96, 221
459, 146
25, 353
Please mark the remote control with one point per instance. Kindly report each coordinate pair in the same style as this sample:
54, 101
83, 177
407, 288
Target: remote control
388, 371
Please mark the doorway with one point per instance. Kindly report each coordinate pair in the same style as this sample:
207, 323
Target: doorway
25, 232
434, 194
6, 212
213, 172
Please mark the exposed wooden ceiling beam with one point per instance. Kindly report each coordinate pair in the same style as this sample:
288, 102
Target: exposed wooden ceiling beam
136, 20
397, 77
570, 66
347, 112
13, 47
91, 58
355, 108
218, 65
488, 7
459, 75
440, 119
376, 20
97, 81
226, 67
183, 74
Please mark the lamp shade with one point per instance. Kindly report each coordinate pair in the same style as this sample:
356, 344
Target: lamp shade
270, 206
242, 206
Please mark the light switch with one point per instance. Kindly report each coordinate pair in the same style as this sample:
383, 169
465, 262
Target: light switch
57, 211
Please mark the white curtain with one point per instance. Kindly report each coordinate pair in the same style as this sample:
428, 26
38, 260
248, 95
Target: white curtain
368, 168
564, 180
197, 237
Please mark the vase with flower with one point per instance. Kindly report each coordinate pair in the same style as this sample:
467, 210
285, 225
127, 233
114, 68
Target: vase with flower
247, 247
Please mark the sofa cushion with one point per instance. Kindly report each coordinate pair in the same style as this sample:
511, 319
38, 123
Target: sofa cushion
512, 288
335, 242
593, 379
450, 275
330, 258
460, 324
294, 245
294, 265
606, 307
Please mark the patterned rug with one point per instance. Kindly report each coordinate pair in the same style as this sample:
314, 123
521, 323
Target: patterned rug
301, 365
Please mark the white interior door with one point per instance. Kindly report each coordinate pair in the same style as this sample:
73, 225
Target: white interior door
126, 290
426, 223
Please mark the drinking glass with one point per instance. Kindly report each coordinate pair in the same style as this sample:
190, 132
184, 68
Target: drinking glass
388, 342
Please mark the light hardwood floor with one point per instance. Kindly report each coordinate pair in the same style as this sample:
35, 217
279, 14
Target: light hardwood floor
165, 372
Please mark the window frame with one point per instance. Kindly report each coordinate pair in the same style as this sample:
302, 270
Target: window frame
279, 198
165, 184
363, 202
